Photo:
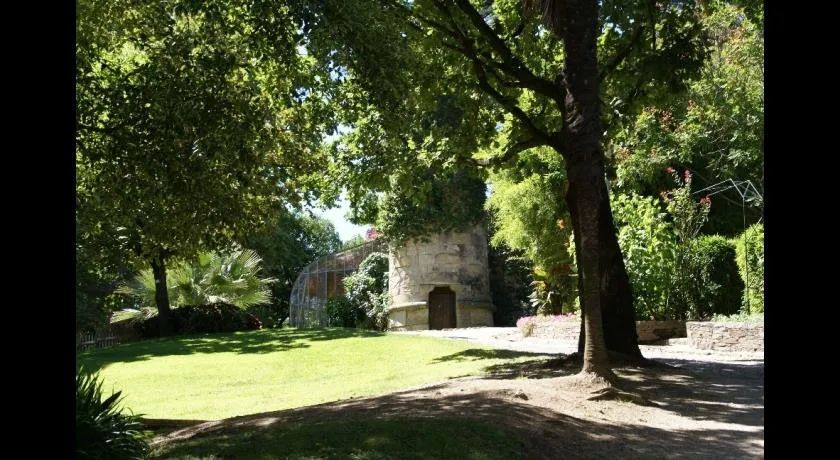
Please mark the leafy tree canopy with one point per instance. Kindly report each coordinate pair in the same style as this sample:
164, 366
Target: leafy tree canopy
191, 124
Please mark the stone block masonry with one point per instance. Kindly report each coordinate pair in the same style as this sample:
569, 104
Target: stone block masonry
725, 336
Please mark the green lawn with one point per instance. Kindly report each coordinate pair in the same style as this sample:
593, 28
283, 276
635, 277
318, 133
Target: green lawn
397, 439
217, 376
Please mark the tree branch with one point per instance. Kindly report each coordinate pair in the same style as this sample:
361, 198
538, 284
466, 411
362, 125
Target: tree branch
622, 54
512, 151
510, 64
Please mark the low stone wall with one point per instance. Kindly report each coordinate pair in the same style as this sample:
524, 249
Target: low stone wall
649, 331
655, 331
562, 330
728, 336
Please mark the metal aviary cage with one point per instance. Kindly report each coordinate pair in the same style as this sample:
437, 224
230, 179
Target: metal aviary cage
321, 280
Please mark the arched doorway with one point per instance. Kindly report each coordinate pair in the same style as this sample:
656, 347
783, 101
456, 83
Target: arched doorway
442, 308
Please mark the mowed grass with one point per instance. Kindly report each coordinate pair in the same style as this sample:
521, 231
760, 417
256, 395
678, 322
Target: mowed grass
358, 439
216, 376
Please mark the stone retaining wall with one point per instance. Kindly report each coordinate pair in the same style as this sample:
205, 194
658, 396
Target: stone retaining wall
562, 330
655, 331
726, 336
649, 331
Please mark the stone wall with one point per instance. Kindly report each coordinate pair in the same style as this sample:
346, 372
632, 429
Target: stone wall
649, 331
561, 330
457, 260
655, 331
729, 336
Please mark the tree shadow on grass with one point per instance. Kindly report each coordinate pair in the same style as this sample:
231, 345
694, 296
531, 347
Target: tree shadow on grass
543, 433
262, 341
475, 354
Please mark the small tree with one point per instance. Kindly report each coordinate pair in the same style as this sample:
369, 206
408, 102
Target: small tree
230, 277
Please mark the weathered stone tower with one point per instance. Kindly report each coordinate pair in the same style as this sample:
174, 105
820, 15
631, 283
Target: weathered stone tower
441, 284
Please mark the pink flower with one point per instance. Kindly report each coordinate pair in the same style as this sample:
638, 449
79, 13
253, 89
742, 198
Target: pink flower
706, 200
669, 170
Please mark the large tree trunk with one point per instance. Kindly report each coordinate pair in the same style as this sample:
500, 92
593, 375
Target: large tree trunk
162, 297
576, 23
585, 165
617, 312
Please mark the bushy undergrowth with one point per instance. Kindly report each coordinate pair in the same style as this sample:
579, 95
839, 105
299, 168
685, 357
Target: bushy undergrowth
749, 250
741, 317
709, 283
199, 319
365, 300
103, 430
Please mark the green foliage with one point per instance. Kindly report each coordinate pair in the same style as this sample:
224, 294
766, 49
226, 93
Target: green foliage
716, 129
711, 283
740, 317
201, 319
230, 277
341, 312
102, 429
687, 214
356, 240
429, 202
510, 278
190, 127
215, 317
292, 241
367, 290
649, 247
749, 254
529, 214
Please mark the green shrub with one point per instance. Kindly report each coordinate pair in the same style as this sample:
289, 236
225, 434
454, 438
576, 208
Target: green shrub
102, 430
741, 317
649, 247
342, 313
367, 291
216, 317
751, 266
200, 319
709, 283
271, 316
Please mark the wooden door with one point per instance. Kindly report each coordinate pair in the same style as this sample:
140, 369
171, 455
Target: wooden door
441, 308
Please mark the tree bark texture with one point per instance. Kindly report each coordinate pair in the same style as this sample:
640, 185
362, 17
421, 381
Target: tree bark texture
584, 157
162, 297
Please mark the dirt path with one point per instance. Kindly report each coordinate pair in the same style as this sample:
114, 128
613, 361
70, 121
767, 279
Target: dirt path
708, 405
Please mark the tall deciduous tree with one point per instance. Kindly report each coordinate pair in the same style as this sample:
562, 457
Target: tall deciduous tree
292, 241
508, 82
191, 128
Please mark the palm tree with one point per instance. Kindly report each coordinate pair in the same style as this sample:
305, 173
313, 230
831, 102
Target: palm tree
231, 277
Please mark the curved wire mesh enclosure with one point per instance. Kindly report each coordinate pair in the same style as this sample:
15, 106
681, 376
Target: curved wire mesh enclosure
321, 280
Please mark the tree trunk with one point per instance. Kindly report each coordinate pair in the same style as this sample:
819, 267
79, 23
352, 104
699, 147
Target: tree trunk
585, 165
617, 312
162, 297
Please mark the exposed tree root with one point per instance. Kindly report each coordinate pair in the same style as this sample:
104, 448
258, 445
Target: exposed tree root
613, 393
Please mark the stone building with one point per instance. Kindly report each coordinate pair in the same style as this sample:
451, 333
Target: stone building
442, 283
